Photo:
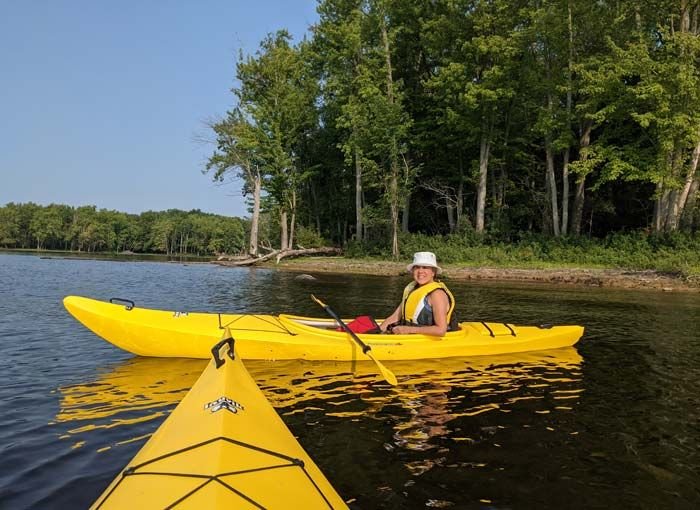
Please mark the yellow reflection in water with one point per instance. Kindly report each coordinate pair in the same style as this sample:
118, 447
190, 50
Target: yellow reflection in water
431, 393
136, 391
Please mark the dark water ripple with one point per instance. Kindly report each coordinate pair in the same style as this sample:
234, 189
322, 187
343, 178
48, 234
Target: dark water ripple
612, 424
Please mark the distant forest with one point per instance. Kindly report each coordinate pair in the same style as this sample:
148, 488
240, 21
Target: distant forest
87, 229
500, 118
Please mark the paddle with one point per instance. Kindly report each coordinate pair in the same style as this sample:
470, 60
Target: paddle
366, 349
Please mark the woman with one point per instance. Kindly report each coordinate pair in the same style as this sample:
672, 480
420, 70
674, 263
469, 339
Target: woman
427, 306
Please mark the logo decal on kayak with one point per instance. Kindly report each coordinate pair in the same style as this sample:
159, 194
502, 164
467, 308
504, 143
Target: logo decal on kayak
180, 314
224, 403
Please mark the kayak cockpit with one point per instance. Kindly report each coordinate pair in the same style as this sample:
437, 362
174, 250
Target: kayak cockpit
326, 324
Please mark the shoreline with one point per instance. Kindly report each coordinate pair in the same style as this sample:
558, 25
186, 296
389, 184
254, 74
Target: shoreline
587, 277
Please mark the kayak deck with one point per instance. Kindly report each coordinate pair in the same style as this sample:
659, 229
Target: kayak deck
223, 446
163, 333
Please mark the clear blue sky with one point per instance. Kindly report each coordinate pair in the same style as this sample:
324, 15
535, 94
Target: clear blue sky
103, 103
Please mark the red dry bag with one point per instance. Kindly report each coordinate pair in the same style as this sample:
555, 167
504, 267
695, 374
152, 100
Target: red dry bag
362, 324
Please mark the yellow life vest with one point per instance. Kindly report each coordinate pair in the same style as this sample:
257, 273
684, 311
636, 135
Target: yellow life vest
415, 308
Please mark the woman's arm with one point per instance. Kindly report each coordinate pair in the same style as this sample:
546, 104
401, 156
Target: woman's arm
393, 318
440, 303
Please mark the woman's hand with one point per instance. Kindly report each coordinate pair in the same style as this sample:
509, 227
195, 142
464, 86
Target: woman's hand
391, 320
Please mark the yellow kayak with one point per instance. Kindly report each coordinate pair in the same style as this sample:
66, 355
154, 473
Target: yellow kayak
163, 333
223, 446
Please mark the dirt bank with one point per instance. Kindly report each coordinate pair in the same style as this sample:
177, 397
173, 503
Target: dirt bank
572, 276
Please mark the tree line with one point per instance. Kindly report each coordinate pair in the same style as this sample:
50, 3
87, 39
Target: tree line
493, 117
88, 229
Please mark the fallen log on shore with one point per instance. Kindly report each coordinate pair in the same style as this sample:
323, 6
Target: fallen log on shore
278, 255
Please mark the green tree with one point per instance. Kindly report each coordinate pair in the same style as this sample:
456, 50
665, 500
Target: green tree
46, 226
357, 40
473, 84
277, 95
238, 150
644, 93
9, 226
339, 54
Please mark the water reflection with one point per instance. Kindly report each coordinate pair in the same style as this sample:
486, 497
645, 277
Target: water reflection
424, 408
432, 394
136, 391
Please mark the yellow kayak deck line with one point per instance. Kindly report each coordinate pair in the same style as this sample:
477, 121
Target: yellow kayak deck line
223, 446
161, 333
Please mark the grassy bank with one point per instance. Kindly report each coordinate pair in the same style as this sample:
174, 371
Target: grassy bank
676, 254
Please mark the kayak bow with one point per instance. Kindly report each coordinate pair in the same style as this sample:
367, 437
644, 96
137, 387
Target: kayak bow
223, 446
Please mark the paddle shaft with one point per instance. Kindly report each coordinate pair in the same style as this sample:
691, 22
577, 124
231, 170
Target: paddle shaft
365, 347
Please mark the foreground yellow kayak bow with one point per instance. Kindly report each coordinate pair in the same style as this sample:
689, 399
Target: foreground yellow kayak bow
223, 446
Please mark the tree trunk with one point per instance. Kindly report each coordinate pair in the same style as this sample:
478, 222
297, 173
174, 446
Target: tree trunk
450, 215
359, 234
460, 192
394, 192
567, 152
660, 207
552, 183
671, 223
255, 219
577, 213
484, 150
685, 17
284, 237
663, 208
682, 197
670, 193
546, 210
565, 193
550, 180
292, 220
394, 164
459, 208
689, 212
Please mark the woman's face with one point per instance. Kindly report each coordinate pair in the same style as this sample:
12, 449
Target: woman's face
423, 274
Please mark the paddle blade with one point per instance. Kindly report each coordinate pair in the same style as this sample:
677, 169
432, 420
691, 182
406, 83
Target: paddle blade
386, 373
318, 301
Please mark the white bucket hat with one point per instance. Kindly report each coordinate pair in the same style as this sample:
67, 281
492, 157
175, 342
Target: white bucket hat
424, 258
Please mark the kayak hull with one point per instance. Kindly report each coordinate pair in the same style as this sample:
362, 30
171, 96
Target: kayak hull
223, 446
161, 333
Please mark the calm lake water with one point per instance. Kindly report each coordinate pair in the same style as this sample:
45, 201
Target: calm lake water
613, 423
